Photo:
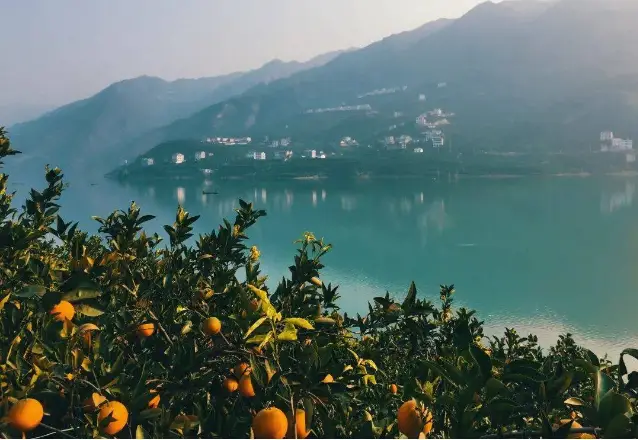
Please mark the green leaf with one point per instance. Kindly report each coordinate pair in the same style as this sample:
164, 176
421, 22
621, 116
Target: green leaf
258, 339
30, 292
612, 405
618, 427
150, 413
139, 432
288, 334
88, 310
255, 326
4, 300
631, 352
410, 299
585, 365
369, 378
299, 322
603, 384
494, 388
482, 360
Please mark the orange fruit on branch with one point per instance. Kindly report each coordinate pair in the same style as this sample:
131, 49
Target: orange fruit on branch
119, 416
93, 403
63, 311
212, 326
300, 420
270, 423
145, 330
246, 387
230, 384
241, 369
394, 389
155, 401
414, 419
26, 415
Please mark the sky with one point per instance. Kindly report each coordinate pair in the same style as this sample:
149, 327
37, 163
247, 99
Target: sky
58, 51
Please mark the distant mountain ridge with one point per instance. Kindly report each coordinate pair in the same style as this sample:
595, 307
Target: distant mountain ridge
520, 76
93, 133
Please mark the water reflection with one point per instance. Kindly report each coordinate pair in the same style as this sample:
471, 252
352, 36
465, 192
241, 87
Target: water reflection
514, 249
610, 203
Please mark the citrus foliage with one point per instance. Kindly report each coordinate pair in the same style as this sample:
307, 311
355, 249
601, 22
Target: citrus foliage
122, 335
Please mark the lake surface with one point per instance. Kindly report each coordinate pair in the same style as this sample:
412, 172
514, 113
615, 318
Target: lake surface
543, 255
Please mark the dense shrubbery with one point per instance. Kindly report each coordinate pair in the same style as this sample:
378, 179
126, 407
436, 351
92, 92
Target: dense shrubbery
119, 335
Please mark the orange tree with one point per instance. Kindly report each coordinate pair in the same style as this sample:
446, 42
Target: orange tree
121, 334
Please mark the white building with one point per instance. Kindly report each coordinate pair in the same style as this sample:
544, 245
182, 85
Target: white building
200, 155
422, 97
618, 144
418, 150
437, 112
422, 119
606, 136
433, 133
389, 140
313, 154
322, 155
398, 114
438, 141
207, 171
178, 158
148, 161
404, 140
259, 155
348, 142
284, 142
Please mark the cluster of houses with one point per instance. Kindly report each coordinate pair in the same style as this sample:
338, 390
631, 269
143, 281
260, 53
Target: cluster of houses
610, 143
383, 91
341, 108
262, 155
229, 141
284, 142
348, 142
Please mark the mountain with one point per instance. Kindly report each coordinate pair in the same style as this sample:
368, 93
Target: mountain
520, 76
94, 133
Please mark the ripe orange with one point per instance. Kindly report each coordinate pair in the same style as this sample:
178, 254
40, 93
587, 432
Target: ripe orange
118, 412
328, 379
145, 330
300, 420
93, 403
394, 389
26, 415
241, 369
63, 311
246, 387
211, 326
575, 425
413, 419
230, 384
155, 401
270, 423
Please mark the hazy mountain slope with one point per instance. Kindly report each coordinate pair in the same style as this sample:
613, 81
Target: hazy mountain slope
93, 133
265, 108
520, 76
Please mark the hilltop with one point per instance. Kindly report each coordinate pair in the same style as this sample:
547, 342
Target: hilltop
518, 77
95, 133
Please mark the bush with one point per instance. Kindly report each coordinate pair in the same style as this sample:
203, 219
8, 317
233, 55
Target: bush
135, 354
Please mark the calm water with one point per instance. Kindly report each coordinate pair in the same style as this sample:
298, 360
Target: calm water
547, 256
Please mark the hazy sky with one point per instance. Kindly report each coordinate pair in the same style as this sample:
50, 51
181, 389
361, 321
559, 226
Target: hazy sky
56, 51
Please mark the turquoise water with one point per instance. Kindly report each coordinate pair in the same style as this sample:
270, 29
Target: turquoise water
544, 255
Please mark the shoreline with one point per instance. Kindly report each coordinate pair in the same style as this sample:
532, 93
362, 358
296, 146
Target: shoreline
368, 177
